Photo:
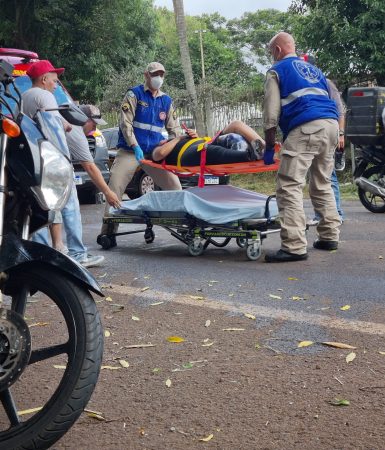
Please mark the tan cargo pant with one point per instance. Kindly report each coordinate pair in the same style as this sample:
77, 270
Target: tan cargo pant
122, 172
308, 148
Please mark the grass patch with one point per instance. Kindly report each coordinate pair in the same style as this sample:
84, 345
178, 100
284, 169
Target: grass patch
265, 184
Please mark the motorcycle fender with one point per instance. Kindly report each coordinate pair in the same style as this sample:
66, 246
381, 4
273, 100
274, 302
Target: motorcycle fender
15, 252
361, 165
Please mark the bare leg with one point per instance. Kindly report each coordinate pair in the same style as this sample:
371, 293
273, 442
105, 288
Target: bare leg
56, 236
239, 127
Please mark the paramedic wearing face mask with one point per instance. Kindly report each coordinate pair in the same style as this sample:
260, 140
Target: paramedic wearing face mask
145, 111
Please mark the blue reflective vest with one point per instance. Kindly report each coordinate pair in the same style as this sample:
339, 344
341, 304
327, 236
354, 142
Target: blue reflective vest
304, 94
149, 120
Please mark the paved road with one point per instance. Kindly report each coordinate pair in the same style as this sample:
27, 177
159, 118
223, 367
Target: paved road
320, 286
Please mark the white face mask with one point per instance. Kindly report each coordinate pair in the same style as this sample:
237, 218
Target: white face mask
156, 82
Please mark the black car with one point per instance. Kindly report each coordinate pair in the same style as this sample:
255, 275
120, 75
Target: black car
143, 183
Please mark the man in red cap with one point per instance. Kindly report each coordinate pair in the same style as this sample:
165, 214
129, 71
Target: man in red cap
40, 97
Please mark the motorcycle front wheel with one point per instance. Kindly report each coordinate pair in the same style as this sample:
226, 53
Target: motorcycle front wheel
373, 203
57, 321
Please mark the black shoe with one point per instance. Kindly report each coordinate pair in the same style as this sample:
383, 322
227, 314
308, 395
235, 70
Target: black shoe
339, 161
255, 150
282, 256
325, 245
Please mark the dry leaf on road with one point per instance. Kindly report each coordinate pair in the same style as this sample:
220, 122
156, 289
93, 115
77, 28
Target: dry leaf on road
350, 357
305, 344
175, 339
338, 345
207, 439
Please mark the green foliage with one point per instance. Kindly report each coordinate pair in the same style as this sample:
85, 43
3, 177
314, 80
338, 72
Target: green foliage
92, 39
346, 37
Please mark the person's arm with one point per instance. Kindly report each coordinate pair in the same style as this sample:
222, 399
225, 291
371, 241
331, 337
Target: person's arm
271, 114
97, 178
127, 115
172, 123
162, 151
336, 96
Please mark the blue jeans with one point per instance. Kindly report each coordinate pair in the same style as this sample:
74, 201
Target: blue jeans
336, 191
72, 221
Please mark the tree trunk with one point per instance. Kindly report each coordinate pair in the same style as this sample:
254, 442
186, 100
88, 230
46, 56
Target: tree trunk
186, 65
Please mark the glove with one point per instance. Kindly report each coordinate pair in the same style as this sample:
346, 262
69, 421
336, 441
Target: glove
138, 152
268, 157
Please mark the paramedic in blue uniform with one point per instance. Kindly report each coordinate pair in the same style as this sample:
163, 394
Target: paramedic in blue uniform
297, 100
145, 112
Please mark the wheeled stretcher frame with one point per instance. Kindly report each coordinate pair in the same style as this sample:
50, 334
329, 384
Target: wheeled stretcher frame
196, 233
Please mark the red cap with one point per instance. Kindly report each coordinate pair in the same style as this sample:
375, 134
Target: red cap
41, 67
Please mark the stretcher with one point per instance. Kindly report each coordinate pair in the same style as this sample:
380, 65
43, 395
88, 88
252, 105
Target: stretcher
199, 217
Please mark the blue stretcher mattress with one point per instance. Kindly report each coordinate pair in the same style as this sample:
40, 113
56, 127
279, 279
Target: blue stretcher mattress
213, 204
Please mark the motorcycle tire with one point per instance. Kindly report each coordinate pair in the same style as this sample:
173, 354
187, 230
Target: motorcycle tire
373, 203
63, 393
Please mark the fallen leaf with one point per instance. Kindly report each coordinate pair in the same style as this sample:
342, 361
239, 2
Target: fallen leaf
95, 415
145, 289
207, 439
293, 279
29, 411
168, 382
187, 365
296, 298
380, 257
338, 345
123, 363
345, 308
339, 402
197, 297
250, 316
139, 346
156, 369
207, 323
233, 329
57, 366
231, 295
108, 299
257, 346
146, 277
213, 281
305, 344
175, 339
156, 303
109, 368
350, 357
275, 296
381, 353
38, 324
135, 318
107, 333
207, 344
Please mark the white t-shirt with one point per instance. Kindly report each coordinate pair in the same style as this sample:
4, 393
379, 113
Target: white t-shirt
38, 98
78, 145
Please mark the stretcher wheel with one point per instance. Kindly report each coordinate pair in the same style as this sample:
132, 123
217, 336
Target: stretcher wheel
149, 236
195, 248
241, 242
106, 242
254, 251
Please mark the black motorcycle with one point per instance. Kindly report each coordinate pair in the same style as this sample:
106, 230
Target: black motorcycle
51, 339
369, 175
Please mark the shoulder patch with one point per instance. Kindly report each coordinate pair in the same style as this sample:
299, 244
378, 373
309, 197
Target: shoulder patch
130, 93
125, 107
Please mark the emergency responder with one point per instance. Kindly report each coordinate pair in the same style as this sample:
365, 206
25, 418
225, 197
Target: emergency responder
297, 99
145, 111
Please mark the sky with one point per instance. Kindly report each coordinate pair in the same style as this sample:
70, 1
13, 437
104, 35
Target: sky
228, 8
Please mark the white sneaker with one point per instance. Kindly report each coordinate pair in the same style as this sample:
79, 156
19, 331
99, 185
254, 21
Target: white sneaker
312, 222
91, 261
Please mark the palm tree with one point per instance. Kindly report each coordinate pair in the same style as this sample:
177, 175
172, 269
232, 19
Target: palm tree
186, 65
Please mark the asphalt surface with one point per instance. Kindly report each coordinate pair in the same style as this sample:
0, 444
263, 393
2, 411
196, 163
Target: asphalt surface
309, 294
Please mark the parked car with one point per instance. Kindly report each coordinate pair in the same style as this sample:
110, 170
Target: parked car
87, 191
143, 183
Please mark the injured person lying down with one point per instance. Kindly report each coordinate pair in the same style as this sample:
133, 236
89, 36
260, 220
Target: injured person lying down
236, 143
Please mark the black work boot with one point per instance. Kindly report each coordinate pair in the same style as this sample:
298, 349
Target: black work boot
325, 245
283, 256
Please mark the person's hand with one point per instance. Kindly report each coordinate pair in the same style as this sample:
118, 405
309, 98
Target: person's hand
268, 156
191, 133
112, 199
138, 152
341, 143
67, 126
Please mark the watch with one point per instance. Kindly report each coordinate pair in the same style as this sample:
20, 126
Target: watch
341, 133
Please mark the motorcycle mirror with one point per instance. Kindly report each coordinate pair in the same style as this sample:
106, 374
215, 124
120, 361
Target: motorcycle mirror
6, 70
73, 114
